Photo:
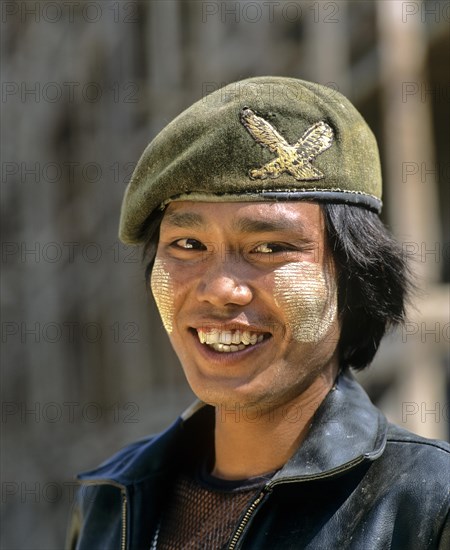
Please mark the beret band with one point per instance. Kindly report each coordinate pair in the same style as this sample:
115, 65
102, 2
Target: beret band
265, 138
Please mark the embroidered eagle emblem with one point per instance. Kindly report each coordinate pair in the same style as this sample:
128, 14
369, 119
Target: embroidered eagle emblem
295, 159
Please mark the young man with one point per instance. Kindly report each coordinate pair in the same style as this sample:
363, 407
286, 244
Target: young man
258, 208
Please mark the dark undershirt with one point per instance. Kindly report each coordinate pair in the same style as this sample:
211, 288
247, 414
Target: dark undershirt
203, 511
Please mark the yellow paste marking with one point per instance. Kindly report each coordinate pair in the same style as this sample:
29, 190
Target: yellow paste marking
309, 299
162, 289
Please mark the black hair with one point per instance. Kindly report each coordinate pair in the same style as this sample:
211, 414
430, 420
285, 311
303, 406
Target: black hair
374, 281
151, 236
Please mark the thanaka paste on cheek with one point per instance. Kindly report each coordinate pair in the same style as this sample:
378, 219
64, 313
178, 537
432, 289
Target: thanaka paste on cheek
308, 298
162, 289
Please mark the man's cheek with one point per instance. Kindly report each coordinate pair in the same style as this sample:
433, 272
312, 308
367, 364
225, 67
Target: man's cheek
308, 300
163, 292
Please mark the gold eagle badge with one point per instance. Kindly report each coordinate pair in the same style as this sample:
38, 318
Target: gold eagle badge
295, 159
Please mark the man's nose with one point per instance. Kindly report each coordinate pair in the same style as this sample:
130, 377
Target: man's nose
225, 282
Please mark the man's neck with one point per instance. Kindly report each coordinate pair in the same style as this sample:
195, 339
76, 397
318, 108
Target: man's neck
250, 442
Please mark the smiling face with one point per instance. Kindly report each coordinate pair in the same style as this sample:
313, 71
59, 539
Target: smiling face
247, 293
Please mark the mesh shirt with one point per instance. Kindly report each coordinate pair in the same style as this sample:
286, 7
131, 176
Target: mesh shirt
203, 511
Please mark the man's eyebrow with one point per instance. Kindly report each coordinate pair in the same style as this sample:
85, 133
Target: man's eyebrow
186, 219
241, 225
251, 225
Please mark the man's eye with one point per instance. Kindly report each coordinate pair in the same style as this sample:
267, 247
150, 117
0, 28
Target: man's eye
271, 248
189, 244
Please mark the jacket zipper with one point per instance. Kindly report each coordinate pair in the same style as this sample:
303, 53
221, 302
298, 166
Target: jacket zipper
123, 535
123, 543
248, 514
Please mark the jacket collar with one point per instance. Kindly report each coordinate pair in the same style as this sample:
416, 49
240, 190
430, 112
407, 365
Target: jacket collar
346, 430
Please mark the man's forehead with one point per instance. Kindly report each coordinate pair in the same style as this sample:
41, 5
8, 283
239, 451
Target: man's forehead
246, 217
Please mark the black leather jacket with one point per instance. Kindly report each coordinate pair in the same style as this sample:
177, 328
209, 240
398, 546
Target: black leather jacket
356, 482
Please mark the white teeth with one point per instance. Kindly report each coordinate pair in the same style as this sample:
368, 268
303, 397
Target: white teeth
226, 349
226, 337
212, 337
236, 337
228, 341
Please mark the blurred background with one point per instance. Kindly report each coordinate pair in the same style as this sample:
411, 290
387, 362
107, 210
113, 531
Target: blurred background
86, 365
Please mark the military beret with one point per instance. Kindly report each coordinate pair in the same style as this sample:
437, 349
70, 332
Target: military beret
264, 138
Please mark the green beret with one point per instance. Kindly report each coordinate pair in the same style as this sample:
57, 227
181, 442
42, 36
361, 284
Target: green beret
265, 138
